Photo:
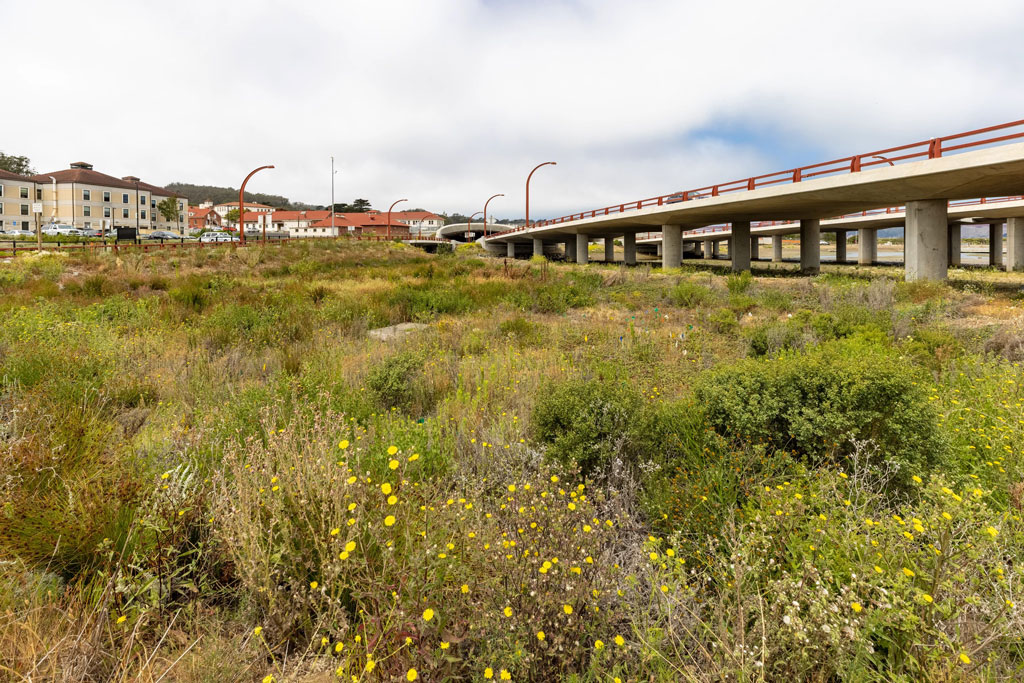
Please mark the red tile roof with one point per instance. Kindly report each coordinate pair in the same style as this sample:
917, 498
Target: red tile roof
87, 176
7, 175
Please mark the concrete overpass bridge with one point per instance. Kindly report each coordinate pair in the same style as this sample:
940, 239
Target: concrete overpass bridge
991, 211
923, 178
465, 232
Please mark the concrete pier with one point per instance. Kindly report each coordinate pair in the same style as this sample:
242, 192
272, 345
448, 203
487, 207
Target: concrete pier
810, 247
776, 248
582, 248
570, 250
841, 246
510, 250
709, 249
755, 248
867, 247
995, 244
953, 244
629, 248
926, 240
609, 249
739, 248
716, 247
1014, 244
538, 247
672, 245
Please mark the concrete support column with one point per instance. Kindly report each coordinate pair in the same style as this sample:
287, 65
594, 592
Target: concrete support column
659, 248
715, 248
510, 249
777, 248
995, 244
582, 248
953, 245
739, 248
629, 247
709, 249
672, 249
538, 247
755, 248
867, 247
1015, 244
609, 249
841, 246
570, 249
926, 240
810, 247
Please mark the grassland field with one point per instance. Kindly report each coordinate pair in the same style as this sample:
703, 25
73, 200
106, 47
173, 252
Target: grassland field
211, 471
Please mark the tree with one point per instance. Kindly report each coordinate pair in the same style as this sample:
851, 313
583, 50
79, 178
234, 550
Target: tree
232, 216
16, 164
168, 208
357, 206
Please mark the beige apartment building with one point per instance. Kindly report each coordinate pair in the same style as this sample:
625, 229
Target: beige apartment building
85, 198
16, 198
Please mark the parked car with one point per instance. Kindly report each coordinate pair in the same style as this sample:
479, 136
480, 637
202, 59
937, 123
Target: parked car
217, 237
58, 230
162, 235
19, 233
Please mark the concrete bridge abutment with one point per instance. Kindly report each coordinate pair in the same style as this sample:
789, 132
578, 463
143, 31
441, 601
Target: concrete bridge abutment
867, 247
995, 244
709, 249
672, 246
776, 248
740, 247
1015, 244
926, 240
582, 248
953, 244
570, 249
538, 247
841, 246
629, 248
609, 249
810, 247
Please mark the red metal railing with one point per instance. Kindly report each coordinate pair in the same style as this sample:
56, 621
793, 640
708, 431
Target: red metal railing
927, 149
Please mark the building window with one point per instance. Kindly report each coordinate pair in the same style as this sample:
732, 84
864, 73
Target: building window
179, 217
1, 190
39, 194
106, 196
124, 199
24, 192
142, 200
106, 212
181, 206
124, 212
88, 225
86, 195
143, 214
86, 210
24, 209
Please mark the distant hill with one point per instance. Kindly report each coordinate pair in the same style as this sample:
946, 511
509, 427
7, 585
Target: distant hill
198, 194
967, 231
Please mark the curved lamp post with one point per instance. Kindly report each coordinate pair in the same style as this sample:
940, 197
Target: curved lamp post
546, 163
389, 215
469, 224
485, 212
241, 206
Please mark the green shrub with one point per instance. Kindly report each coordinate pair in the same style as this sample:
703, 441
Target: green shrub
690, 294
587, 423
738, 284
392, 381
520, 330
815, 403
723, 321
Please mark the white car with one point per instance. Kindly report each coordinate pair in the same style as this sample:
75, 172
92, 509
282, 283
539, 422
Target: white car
19, 233
63, 230
217, 237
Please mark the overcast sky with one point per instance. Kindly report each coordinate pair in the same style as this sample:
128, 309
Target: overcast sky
447, 102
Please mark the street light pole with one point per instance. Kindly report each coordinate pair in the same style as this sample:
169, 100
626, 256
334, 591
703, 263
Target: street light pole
546, 163
469, 225
389, 215
485, 212
241, 203
332, 195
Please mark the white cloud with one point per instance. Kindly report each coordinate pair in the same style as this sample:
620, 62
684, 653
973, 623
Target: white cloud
449, 101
